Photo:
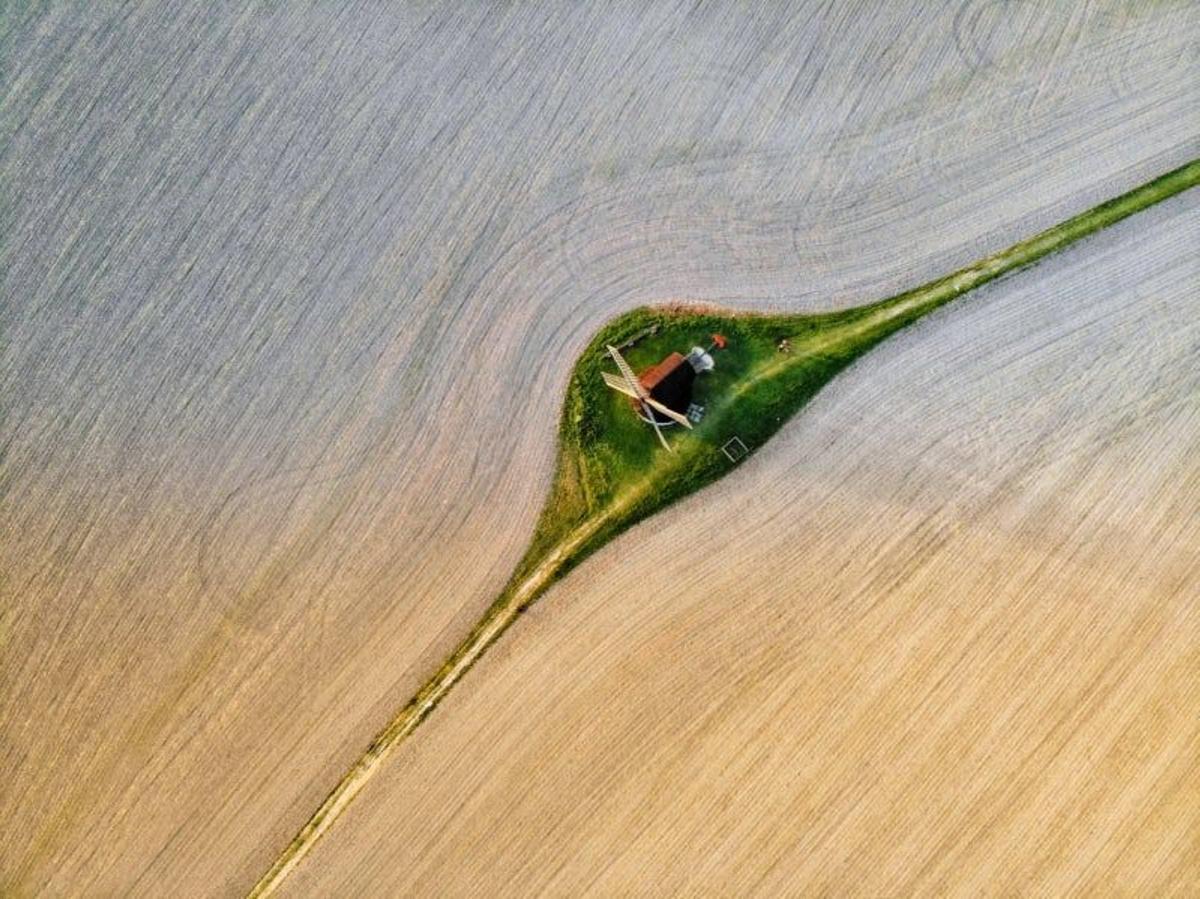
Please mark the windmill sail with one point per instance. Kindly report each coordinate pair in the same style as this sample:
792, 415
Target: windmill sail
629, 385
658, 431
667, 411
630, 378
620, 385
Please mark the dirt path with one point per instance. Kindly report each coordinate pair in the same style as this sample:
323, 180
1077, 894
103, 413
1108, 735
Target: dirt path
498, 618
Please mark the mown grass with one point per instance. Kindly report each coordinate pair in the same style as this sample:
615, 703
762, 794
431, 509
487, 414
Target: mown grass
611, 472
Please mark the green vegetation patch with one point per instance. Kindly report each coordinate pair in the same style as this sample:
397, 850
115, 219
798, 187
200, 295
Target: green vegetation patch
611, 472
611, 468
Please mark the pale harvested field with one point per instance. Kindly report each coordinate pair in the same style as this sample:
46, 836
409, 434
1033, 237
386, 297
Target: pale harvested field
287, 301
942, 637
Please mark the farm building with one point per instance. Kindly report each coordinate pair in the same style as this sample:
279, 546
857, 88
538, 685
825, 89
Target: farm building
670, 382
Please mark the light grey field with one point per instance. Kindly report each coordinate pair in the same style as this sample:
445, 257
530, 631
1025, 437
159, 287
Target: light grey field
288, 299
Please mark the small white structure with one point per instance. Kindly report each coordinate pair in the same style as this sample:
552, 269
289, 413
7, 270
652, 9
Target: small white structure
700, 360
734, 449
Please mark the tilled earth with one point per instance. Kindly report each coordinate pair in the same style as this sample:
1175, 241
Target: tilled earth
289, 297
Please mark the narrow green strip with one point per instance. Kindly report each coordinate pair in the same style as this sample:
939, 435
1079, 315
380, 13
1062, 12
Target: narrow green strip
1097, 218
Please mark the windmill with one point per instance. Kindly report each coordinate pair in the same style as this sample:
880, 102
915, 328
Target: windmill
629, 385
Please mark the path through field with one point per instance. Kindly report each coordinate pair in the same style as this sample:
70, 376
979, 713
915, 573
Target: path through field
939, 637
288, 299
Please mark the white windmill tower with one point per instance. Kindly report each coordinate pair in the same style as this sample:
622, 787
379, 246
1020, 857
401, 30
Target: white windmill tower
629, 385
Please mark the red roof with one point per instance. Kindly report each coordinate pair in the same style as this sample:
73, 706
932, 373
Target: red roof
651, 376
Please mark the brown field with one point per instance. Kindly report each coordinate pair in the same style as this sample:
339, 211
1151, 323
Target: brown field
288, 298
941, 637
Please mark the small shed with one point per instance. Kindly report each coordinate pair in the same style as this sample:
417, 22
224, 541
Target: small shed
701, 360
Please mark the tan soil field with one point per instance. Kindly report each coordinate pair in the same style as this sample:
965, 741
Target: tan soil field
941, 637
288, 299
